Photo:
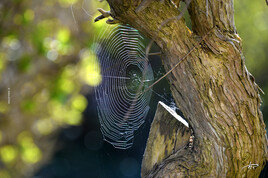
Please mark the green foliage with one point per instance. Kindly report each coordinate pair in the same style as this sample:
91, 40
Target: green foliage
45, 59
252, 26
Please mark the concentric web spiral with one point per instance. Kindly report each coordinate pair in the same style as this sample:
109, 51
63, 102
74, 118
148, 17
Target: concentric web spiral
121, 101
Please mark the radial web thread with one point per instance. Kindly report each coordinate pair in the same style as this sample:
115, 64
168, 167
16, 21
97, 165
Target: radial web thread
122, 105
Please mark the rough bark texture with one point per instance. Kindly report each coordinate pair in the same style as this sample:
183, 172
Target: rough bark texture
164, 140
212, 87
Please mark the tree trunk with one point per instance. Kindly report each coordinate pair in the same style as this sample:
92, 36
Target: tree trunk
212, 87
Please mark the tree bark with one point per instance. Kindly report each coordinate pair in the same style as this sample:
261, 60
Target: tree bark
212, 87
164, 140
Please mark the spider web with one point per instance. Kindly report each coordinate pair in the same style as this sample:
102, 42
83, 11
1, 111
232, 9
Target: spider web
122, 103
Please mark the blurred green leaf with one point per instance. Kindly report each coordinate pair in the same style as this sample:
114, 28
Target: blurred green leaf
24, 63
28, 106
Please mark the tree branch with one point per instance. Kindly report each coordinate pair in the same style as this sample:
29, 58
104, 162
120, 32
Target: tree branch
211, 86
150, 20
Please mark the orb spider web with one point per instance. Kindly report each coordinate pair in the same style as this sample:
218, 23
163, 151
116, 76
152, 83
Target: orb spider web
122, 103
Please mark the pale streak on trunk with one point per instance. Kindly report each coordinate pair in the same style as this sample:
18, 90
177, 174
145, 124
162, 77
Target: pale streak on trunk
212, 87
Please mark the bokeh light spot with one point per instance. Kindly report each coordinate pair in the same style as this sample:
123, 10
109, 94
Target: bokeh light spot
30, 153
44, 126
63, 35
11, 42
79, 102
54, 44
28, 15
25, 138
91, 72
15, 44
52, 55
57, 111
93, 78
66, 85
73, 117
8, 153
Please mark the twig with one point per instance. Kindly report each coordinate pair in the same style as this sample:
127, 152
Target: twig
206, 7
149, 46
74, 17
83, 3
155, 54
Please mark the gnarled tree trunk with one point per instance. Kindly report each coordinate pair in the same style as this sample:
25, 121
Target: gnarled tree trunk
212, 87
